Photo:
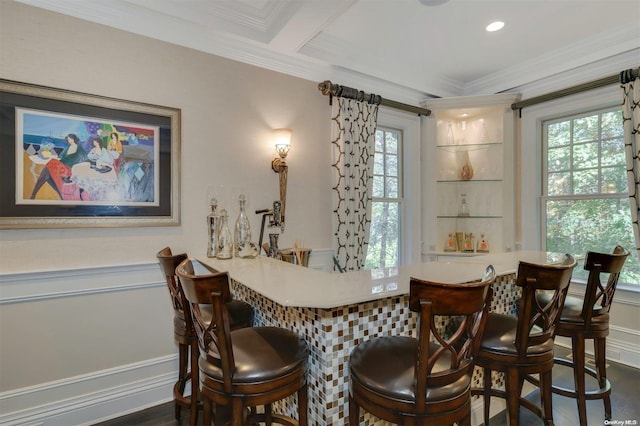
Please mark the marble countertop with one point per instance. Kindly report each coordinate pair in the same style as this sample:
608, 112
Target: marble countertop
293, 285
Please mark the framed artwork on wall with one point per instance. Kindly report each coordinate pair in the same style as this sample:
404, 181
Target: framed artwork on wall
70, 159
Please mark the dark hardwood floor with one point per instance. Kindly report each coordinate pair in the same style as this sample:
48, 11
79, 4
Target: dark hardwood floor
625, 400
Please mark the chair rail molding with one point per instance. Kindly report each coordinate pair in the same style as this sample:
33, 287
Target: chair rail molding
49, 284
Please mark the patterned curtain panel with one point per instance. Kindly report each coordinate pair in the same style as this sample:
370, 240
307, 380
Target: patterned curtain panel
631, 119
353, 127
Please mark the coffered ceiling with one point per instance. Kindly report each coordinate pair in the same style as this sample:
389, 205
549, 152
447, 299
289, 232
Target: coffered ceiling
413, 48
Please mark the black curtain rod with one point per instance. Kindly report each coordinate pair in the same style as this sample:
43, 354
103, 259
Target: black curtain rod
329, 89
623, 77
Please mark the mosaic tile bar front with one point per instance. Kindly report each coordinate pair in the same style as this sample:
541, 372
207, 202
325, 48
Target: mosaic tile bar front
333, 333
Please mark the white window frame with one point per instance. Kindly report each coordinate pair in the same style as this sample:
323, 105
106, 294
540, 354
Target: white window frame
400, 198
545, 175
410, 126
530, 162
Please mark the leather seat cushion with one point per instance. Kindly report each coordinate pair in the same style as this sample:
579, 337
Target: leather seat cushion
386, 365
500, 336
261, 354
572, 311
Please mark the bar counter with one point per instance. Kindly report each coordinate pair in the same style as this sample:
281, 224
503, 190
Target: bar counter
336, 311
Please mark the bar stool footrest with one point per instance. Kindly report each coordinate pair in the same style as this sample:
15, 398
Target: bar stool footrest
590, 394
503, 394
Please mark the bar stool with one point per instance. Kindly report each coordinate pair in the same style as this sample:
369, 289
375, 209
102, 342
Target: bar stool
242, 368
589, 319
424, 380
185, 336
521, 346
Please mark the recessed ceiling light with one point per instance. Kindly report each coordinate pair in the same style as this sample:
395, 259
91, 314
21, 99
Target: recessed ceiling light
495, 26
432, 2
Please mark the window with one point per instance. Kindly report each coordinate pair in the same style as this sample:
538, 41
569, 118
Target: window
385, 235
585, 195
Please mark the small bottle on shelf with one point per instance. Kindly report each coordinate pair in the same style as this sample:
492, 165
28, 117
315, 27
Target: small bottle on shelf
483, 245
463, 208
451, 244
468, 243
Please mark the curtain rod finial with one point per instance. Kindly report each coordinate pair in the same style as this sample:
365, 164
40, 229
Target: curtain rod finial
326, 87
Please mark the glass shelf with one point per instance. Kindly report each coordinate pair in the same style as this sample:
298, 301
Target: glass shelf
468, 147
468, 181
455, 253
468, 217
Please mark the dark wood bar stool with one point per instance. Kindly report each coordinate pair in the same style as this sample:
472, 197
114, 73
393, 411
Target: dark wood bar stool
424, 380
589, 319
242, 368
522, 346
185, 336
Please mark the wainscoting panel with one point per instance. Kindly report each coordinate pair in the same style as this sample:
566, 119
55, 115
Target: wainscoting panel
83, 345
90, 398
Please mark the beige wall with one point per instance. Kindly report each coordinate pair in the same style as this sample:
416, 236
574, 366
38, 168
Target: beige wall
109, 318
228, 109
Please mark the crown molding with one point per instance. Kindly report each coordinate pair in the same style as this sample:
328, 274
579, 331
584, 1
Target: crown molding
587, 52
593, 71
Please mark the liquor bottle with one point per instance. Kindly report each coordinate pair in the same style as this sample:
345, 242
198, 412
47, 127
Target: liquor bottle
225, 242
213, 220
242, 232
468, 243
483, 245
451, 244
274, 251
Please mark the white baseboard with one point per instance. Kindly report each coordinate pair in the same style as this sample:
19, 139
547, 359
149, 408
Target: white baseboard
91, 398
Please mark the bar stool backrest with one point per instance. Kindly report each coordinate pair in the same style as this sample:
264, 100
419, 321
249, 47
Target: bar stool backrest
168, 263
213, 331
537, 323
598, 294
469, 302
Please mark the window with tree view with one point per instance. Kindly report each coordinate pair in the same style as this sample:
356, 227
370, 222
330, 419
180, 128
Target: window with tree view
585, 199
384, 237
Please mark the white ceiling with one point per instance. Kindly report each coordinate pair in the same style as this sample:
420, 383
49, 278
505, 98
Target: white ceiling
399, 46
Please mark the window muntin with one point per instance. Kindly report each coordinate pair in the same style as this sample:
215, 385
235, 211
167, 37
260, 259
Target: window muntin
585, 194
385, 245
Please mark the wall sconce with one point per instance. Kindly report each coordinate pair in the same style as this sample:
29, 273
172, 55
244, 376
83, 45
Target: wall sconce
282, 140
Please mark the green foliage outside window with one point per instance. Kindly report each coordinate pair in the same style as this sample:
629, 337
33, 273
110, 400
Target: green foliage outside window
384, 236
586, 204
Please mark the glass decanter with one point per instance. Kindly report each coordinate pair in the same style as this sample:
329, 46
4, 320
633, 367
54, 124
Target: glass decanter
450, 140
225, 242
213, 220
242, 231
